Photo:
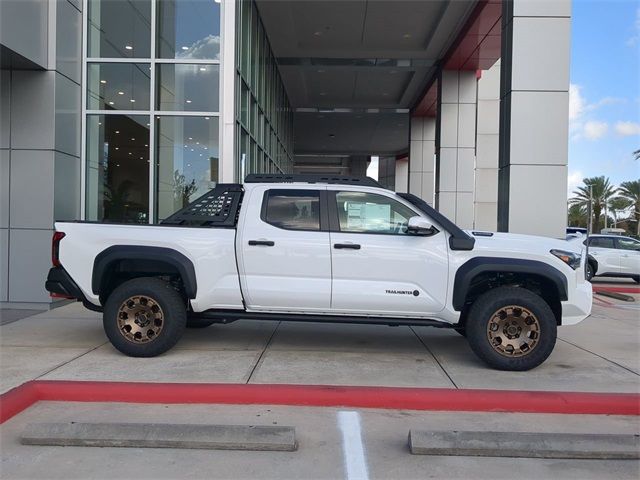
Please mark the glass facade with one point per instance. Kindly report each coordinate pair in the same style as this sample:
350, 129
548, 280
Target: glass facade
264, 118
152, 106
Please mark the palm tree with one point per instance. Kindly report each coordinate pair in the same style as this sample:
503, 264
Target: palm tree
577, 216
602, 191
636, 155
631, 191
617, 205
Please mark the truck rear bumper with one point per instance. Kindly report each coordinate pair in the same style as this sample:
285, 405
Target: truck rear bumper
60, 284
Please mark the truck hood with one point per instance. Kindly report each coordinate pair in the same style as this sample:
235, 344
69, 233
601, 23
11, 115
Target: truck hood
517, 243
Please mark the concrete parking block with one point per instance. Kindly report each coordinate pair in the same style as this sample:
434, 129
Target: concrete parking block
527, 445
21, 364
391, 369
197, 366
160, 435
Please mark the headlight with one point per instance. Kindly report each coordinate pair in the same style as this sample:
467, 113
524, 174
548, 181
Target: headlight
570, 258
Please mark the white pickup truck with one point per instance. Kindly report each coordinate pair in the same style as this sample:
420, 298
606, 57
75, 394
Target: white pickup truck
321, 249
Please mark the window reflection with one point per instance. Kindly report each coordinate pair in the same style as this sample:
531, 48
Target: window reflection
188, 29
191, 88
118, 86
119, 28
118, 168
188, 162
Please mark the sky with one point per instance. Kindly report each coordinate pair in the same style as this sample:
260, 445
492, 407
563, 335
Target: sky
604, 96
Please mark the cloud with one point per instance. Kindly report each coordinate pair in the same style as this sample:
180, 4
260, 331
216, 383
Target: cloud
574, 180
635, 38
205, 48
576, 102
594, 129
627, 129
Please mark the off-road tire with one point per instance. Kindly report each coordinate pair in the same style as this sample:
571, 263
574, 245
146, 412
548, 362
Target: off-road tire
489, 304
173, 309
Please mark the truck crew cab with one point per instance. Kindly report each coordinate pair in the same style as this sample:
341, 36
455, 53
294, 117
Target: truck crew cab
313, 248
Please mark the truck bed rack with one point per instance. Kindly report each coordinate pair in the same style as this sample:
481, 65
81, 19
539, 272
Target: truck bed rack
218, 207
311, 178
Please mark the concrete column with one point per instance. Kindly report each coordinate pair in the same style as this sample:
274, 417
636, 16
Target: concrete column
534, 93
402, 175
39, 145
487, 141
422, 158
455, 145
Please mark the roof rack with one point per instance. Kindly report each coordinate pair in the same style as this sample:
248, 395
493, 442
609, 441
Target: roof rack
309, 178
217, 208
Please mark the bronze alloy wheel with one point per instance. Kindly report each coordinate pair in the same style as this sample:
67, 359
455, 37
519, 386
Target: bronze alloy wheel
140, 319
513, 331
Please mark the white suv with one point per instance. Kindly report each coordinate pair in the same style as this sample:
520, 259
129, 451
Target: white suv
613, 256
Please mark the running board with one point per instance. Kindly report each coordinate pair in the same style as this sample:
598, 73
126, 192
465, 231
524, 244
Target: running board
228, 316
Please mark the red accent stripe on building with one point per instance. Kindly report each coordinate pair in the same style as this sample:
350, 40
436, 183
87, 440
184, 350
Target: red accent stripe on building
436, 399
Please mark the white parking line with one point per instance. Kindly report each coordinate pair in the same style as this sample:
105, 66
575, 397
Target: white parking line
352, 446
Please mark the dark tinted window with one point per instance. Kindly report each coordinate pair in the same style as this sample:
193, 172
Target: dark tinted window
601, 242
293, 209
628, 244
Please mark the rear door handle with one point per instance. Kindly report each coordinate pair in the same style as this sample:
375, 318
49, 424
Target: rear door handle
264, 243
352, 246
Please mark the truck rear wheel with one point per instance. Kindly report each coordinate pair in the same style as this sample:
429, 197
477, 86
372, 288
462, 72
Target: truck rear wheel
511, 328
144, 317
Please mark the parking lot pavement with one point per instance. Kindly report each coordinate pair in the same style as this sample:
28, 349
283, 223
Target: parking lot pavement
601, 354
321, 452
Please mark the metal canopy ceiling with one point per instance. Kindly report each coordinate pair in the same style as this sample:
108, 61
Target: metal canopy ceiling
355, 55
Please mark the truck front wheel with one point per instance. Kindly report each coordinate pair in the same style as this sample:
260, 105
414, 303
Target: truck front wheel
511, 328
144, 317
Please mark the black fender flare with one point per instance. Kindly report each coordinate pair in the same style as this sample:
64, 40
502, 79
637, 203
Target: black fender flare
470, 269
107, 257
592, 259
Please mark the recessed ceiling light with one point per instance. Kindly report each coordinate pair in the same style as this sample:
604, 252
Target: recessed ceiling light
117, 148
132, 139
117, 164
103, 81
206, 118
117, 131
120, 93
146, 145
197, 143
110, 103
130, 153
203, 69
188, 164
188, 101
99, 123
185, 48
206, 148
192, 149
141, 158
128, 47
190, 138
132, 101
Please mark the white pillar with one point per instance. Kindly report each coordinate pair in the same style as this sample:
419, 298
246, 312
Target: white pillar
455, 145
487, 141
402, 175
422, 158
534, 90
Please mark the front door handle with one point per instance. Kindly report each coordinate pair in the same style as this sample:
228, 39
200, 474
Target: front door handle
352, 246
264, 243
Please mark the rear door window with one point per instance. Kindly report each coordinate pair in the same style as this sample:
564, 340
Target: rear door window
292, 209
602, 242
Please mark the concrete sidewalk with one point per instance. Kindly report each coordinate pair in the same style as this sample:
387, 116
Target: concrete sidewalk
321, 454
600, 354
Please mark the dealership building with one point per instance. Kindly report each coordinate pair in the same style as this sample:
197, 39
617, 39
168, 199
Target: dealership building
125, 110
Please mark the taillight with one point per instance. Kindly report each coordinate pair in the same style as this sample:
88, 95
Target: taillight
55, 248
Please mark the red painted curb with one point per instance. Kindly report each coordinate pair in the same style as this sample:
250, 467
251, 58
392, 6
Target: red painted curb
437, 399
604, 288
